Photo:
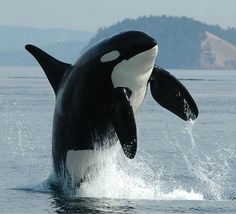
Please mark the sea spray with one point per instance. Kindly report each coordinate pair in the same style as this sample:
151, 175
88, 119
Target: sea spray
208, 169
130, 179
116, 177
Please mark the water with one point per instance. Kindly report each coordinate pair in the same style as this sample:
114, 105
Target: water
179, 167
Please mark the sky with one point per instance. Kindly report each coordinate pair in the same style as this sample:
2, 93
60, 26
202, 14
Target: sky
89, 15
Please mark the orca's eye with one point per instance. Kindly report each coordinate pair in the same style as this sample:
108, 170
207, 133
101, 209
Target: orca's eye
110, 56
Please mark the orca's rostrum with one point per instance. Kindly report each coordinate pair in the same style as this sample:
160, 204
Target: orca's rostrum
98, 97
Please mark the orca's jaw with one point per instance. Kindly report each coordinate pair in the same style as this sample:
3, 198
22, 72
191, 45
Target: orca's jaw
134, 74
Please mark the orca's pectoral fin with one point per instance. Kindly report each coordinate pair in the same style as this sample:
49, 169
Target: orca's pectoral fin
123, 121
172, 95
53, 68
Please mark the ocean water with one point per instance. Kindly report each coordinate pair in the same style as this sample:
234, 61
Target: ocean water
180, 167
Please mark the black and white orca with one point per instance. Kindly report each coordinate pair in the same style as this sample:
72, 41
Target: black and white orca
98, 97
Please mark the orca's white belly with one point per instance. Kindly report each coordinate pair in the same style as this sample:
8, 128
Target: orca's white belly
78, 162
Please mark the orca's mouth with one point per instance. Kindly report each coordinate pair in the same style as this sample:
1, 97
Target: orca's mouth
153, 51
147, 58
141, 48
145, 45
136, 69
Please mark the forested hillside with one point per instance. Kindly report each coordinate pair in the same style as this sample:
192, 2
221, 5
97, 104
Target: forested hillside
180, 39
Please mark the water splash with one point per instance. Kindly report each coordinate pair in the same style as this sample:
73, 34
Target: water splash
119, 178
131, 180
122, 178
210, 170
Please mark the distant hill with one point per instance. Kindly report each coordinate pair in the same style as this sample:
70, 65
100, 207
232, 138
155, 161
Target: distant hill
64, 44
217, 53
184, 43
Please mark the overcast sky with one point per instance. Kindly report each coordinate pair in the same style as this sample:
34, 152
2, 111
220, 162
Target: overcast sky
89, 15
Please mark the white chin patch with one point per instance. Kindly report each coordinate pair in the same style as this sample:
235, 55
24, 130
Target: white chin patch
134, 74
111, 56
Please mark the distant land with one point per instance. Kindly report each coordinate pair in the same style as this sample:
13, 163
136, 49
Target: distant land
63, 44
184, 43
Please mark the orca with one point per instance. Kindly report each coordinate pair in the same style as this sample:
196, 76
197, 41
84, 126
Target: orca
99, 96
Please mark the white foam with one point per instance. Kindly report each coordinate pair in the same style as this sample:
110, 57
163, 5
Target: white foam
180, 194
130, 179
121, 178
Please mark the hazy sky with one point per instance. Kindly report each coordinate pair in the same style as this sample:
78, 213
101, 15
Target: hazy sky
89, 15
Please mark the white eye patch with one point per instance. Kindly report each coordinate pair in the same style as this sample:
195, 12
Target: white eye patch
111, 56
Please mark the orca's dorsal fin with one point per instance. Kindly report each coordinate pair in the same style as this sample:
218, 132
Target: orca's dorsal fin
53, 68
